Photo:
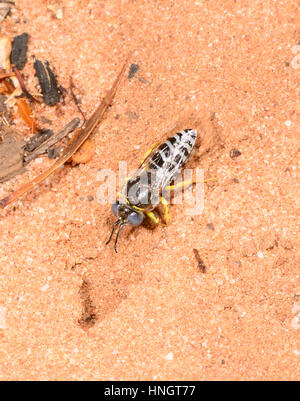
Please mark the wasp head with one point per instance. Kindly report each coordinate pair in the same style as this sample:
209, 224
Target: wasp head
125, 214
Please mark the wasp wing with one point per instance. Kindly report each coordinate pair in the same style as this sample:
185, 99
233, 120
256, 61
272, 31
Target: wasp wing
166, 159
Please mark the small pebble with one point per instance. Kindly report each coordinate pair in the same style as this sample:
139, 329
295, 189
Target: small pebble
170, 356
45, 287
210, 226
133, 70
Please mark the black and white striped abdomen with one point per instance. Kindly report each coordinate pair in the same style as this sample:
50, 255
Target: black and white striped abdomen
172, 155
175, 151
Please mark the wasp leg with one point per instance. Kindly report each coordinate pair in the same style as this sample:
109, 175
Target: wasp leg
120, 195
125, 180
148, 152
153, 217
165, 205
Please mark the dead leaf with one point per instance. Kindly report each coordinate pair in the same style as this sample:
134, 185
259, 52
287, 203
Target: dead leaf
6, 75
23, 107
85, 153
11, 154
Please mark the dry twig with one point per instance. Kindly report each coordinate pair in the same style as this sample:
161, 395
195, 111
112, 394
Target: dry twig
56, 137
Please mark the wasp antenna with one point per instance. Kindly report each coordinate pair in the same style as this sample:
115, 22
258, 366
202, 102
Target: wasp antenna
112, 231
118, 233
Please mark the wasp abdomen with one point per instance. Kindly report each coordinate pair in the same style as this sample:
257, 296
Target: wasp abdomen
172, 155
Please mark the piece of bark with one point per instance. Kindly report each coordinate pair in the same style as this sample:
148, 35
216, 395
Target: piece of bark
18, 55
47, 82
11, 154
48, 143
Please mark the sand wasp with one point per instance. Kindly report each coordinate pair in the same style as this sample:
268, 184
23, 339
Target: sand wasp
142, 193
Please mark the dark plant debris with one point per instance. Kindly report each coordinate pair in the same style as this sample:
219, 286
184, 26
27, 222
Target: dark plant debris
45, 141
54, 153
133, 70
23, 87
18, 55
48, 83
63, 91
76, 142
36, 140
234, 153
89, 316
201, 264
75, 99
210, 226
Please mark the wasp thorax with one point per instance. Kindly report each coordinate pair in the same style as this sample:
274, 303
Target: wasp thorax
141, 190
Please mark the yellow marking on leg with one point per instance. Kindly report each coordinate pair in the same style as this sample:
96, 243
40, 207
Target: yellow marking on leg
180, 185
137, 208
165, 204
120, 195
153, 217
125, 180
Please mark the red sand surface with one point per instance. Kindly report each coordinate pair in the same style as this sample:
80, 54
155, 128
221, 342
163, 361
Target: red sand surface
72, 309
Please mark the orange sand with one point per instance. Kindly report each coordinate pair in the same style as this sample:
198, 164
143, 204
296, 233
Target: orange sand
72, 309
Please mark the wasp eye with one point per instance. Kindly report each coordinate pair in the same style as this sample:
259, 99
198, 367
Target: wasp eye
135, 219
115, 208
